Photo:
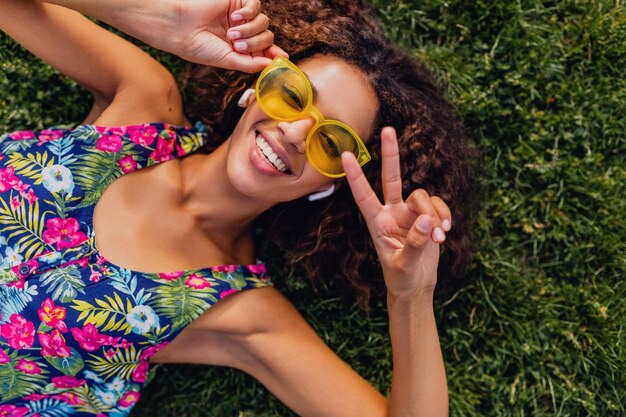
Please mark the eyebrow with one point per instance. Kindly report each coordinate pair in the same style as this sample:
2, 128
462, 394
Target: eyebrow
315, 94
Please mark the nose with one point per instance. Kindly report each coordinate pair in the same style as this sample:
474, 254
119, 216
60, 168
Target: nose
296, 132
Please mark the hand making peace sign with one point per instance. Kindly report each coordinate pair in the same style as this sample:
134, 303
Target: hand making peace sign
406, 234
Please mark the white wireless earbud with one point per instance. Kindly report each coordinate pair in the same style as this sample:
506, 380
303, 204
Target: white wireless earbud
243, 100
322, 194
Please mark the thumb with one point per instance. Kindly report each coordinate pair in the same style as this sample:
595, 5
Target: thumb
245, 62
417, 240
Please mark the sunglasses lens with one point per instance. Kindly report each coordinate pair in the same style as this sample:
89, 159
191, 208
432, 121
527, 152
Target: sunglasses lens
326, 146
283, 93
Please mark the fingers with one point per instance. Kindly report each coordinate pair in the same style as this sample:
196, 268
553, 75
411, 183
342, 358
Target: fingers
361, 190
249, 10
274, 51
444, 213
255, 26
245, 62
392, 181
423, 205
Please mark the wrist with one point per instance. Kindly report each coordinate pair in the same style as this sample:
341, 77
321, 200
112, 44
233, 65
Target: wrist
423, 296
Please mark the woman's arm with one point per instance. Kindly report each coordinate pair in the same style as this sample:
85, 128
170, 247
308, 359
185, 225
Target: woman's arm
229, 34
111, 68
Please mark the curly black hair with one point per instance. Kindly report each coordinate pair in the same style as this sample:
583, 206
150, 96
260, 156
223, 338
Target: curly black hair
435, 154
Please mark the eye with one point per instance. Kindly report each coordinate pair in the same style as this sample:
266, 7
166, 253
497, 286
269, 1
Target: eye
292, 96
330, 143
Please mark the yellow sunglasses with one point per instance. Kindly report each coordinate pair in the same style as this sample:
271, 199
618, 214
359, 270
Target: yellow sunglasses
285, 94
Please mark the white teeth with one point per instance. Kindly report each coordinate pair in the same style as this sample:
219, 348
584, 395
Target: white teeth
269, 154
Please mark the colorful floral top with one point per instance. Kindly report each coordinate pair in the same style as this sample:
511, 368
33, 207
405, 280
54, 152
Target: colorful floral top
76, 331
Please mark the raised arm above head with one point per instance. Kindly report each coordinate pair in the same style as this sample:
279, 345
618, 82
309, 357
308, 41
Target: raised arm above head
228, 34
111, 68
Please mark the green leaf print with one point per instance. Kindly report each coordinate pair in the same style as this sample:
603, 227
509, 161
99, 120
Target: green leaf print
69, 366
95, 170
15, 383
63, 283
191, 141
26, 225
111, 309
122, 364
30, 165
179, 302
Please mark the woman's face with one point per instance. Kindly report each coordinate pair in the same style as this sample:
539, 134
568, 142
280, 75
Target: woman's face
341, 93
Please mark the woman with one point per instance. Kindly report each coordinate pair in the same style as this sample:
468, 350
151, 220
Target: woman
83, 317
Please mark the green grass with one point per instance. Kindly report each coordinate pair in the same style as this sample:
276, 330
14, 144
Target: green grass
538, 328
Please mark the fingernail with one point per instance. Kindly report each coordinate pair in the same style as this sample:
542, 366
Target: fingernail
241, 46
439, 235
446, 225
424, 224
234, 35
236, 16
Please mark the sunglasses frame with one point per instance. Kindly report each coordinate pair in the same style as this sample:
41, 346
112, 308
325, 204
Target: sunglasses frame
310, 110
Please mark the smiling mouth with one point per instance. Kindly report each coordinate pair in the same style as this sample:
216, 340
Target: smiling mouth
270, 155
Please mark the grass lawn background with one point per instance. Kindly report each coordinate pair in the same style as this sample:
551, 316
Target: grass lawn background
538, 326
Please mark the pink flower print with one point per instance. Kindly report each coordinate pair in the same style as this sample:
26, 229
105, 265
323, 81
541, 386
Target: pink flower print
22, 135
67, 381
119, 131
110, 353
227, 293
163, 151
69, 398
102, 415
4, 358
257, 269
49, 134
180, 150
17, 284
95, 276
225, 268
63, 232
9, 410
53, 344
127, 163
109, 143
20, 332
100, 260
170, 276
152, 350
89, 337
30, 196
53, 316
130, 398
28, 367
197, 282
32, 265
35, 397
8, 179
15, 203
140, 372
142, 134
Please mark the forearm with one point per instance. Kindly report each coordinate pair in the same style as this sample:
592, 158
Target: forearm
419, 385
130, 16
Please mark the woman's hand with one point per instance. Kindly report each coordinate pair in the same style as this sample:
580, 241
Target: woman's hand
230, 34
406, 234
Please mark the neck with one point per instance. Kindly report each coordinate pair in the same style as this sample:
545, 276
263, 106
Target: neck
220, 211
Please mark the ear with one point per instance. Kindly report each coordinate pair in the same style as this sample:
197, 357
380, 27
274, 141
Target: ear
246, 98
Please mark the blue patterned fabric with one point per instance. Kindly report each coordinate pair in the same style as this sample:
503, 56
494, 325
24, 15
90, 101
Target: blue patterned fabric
76, 331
